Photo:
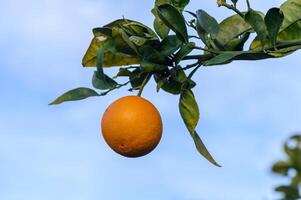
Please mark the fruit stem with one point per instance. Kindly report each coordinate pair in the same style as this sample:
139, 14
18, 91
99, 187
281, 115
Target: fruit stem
143, 85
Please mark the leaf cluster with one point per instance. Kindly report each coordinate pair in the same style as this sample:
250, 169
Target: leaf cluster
290, 168
164, 53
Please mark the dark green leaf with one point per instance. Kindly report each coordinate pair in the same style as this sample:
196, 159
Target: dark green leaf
74, 95
147, 66
273, 20
169, 45
290, 192
222, 58
173, 80
189, 111
137, 77
100, 80
256, 20
207, 23
174, 20
184, 51
152, 55
122, 42
123, 72
234, 2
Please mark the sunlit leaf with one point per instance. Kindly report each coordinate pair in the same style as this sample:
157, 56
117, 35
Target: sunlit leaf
112, 58
189, 111
231, 28
291, 26
291, 10
238, 43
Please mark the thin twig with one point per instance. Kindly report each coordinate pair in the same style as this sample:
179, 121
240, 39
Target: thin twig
248, 4
279, 46
143, 85
191, 66
208, 50
231, 7
116, 87
193, 72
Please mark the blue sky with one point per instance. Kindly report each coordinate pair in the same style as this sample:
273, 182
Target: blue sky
247, 110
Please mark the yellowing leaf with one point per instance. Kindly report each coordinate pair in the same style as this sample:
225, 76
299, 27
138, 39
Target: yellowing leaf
111, 58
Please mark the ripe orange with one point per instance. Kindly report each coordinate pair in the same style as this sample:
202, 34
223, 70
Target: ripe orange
132, 126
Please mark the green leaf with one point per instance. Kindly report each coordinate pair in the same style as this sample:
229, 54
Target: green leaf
160, 83
149, 53
100, 80
291, 10
255, 19
291, 26
111, 58
174, 20
122, 42
123, 51
75, 95
231, 28
184, 51
273, 20
281, 167
102, 31
238, 43
123, 73
207, 23
189, 111
290, 192
139, 41
161, 29
147, 66
222, 58
169, 45
137, 77
180, 4
173, 80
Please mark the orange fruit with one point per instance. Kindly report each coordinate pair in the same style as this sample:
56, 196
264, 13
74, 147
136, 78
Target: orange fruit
132, 126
